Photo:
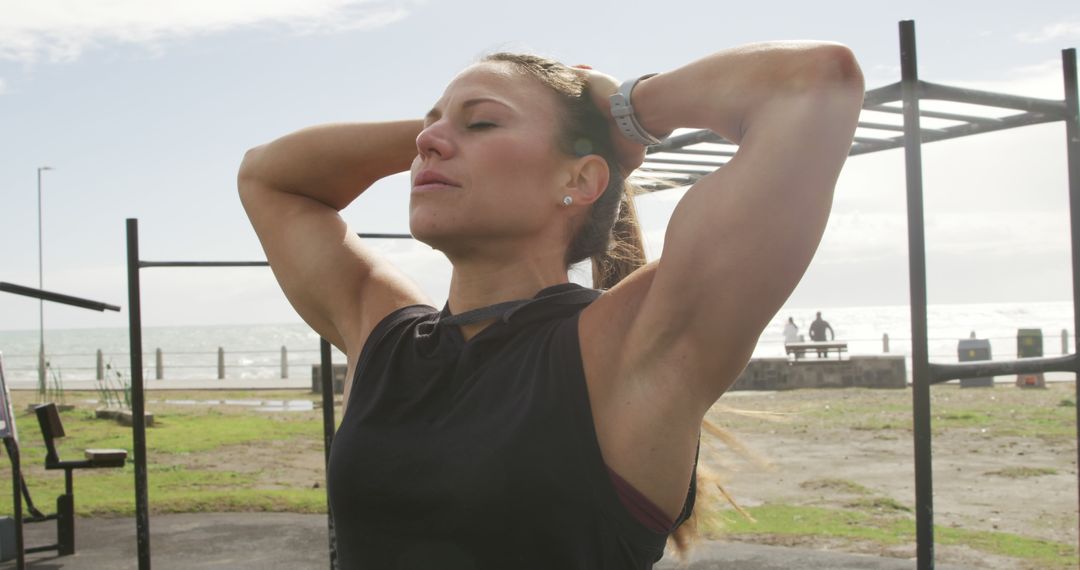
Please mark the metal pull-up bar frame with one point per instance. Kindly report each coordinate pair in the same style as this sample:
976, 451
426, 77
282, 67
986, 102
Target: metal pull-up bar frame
138, 406
12, 445
687, 157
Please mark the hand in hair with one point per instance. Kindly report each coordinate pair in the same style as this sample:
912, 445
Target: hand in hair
602, 86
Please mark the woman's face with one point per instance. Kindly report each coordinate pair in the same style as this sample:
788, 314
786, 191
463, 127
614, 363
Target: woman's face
488, 172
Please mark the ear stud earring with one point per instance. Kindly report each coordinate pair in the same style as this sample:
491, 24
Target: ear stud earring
567, 200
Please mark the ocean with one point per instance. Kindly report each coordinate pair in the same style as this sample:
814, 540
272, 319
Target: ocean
254, 351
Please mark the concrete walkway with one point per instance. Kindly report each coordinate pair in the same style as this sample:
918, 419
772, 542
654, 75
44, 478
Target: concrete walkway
283, 541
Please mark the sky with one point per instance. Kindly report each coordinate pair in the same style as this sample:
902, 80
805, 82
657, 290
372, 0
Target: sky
144, 108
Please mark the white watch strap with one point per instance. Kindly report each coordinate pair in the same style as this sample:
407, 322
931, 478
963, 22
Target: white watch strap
623, 113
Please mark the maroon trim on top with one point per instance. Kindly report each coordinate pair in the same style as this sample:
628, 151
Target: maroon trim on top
640, 507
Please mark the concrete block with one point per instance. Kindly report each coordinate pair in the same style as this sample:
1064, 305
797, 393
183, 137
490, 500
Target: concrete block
127, 418
338, 371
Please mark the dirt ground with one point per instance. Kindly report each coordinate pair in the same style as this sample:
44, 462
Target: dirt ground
997, 464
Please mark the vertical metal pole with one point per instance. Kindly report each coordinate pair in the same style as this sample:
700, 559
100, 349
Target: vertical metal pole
1072, 146
12, 447
41, 302
326, 373
284, 362
138, 417
924, 494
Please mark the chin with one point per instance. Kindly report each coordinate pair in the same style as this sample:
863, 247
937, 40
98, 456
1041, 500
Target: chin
430, 232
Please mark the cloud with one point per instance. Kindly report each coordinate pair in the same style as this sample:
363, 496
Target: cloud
59, 30
1051, 32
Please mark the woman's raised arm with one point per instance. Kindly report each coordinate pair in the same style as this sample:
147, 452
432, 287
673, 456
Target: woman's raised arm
292, 189
741, 238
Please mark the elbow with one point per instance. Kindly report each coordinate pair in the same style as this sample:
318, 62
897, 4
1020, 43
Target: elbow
249, 169
249, 164
834, 67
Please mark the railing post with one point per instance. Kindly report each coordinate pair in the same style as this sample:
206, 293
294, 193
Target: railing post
159, 365
284, 362
885, 343
1064, 341
101, 365
220, 363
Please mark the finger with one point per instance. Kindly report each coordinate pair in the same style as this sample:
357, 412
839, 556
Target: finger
582, 66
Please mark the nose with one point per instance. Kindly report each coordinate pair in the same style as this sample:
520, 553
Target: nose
434, 140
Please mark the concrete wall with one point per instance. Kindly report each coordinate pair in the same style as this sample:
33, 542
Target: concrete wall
772, 374
339, 378
856, 372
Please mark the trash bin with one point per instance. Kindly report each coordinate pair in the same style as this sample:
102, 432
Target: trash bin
971, 349
1029, 344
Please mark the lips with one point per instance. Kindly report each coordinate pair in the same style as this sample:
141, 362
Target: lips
432, 180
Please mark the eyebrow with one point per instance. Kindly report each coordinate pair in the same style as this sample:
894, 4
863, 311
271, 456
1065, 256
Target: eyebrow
434, 113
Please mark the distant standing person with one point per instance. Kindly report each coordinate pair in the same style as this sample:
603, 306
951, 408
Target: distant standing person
791, 334
817, 333
791, 331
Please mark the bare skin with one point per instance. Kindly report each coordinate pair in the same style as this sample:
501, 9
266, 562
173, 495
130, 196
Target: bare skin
662, 346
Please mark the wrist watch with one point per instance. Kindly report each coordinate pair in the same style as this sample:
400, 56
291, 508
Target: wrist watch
623, 113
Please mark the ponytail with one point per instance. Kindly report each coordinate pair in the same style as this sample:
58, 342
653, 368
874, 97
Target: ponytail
626, 252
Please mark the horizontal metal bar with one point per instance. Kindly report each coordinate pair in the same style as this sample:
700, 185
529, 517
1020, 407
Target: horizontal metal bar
675, 170
56, 297
991, 99
385, 236
687, 139
957, 131
143, 264
695, 151
945, 372
885, 94
934, 114
888, 127
881, 126
682, 162
868, 139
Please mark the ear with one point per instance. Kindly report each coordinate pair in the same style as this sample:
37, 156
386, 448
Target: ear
588, 177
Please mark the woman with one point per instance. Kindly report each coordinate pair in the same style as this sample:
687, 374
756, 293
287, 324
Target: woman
558, 428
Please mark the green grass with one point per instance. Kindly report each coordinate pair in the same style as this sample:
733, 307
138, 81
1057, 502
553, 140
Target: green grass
835, 486
888, 529
181, 436
1022, 472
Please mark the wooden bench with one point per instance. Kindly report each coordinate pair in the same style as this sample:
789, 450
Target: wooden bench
800, 349
52, 429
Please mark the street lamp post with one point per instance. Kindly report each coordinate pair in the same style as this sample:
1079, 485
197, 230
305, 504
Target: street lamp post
41, 303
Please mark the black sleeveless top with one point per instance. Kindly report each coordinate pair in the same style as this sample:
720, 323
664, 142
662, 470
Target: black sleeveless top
479, 454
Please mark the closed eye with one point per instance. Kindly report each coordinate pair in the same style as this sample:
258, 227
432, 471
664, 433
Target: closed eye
480, 125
